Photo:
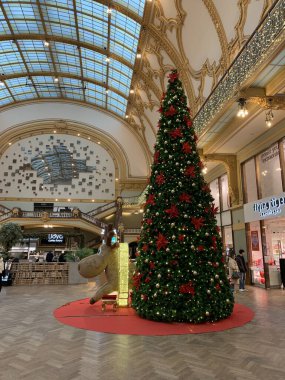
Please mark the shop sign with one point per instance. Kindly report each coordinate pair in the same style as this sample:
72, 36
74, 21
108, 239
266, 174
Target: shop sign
55, 238
265, 208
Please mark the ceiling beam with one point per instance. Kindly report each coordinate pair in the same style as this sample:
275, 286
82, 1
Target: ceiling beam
78, 47
61, 75
65, 40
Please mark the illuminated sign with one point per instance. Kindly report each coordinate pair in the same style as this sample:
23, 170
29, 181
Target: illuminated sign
55, 238
271, 207
265, 208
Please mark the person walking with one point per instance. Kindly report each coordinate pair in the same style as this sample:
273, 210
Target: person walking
233, 271
242, 270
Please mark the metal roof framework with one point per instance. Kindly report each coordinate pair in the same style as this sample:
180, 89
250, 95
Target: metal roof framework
82, 50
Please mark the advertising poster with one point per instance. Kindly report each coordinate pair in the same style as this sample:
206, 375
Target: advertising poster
254, 241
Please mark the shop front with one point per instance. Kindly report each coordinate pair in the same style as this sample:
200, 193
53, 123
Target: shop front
264, 214
265, 220
220, 192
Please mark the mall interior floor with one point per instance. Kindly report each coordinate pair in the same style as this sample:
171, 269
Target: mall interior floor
34, 345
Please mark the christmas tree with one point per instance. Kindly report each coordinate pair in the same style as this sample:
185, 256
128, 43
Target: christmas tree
180, 274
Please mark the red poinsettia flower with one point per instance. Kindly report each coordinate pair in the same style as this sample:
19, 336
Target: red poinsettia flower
160, 109
173, 76
186, 148
171, 111
172, 211
148, 221
150, 200
160, 179
156, 157
201, 248
190, 171
213, 210
137, 280
145, 247
151, 265
197, 222
147, 280
200, 164
187, 288
218, 287
206, 188
184, 197
161, 242
181, 237
176, 133
188, 121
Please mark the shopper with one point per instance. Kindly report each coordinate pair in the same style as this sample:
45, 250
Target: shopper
62, 258
242, 270
233, 271
49, 257
1, 271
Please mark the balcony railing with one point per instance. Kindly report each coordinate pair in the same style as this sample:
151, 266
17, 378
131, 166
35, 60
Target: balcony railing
45, 216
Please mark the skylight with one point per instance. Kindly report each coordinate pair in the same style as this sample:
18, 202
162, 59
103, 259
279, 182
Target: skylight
69, 40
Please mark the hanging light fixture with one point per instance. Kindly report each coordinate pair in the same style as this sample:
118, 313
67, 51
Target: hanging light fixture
269, 118
242, 110
205, 169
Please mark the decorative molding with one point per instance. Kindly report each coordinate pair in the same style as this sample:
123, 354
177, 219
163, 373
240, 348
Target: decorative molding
132, 185
219, 29
230, 162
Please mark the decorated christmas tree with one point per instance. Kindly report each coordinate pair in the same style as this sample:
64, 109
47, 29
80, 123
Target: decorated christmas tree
180, 274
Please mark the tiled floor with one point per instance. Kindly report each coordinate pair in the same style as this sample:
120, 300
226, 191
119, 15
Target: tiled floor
33, 345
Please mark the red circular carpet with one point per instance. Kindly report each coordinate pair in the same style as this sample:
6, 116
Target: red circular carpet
82, 315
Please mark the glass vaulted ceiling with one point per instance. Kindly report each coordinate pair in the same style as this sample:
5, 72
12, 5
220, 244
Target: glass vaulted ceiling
91, 50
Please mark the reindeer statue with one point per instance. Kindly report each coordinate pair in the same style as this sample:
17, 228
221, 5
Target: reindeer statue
107, 260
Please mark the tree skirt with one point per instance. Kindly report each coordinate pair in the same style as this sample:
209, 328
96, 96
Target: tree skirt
80, 314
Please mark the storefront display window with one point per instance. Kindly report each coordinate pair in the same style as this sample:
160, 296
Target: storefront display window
225, 192
249, 174
215, 191
228, 238
218, 219
256, 262
269, 172
275, 248
219, 191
